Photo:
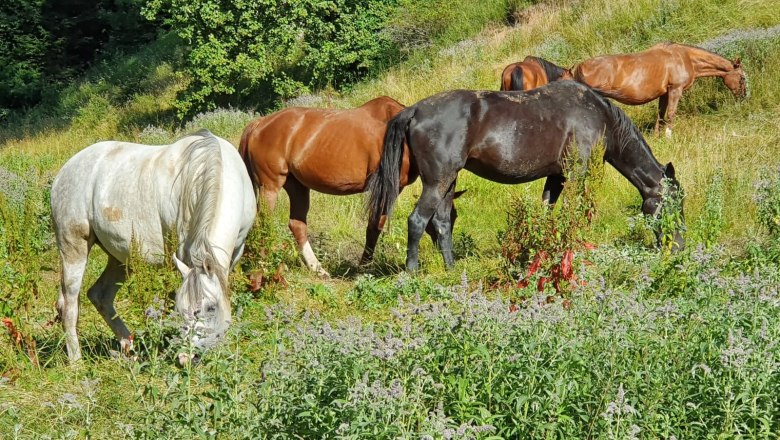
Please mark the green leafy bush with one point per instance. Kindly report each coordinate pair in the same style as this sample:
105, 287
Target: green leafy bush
234, 47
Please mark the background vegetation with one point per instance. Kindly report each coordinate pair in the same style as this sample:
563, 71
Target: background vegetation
640, 343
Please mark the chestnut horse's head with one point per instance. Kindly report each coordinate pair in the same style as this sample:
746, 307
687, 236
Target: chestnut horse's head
736, 80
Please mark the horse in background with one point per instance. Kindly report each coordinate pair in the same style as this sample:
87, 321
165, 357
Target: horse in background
663, 71
531, 73
332, 151
120, 195
508, 137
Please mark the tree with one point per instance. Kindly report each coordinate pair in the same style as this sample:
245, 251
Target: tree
236, 45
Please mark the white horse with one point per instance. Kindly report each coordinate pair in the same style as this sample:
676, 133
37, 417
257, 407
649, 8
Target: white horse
114, 193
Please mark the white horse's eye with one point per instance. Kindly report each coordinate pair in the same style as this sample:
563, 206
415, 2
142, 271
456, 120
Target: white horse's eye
211, 309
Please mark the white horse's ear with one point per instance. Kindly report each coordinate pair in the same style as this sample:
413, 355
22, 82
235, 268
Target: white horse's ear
181, 266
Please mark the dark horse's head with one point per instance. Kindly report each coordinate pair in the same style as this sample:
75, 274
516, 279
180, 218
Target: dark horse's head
668, 230
736, 80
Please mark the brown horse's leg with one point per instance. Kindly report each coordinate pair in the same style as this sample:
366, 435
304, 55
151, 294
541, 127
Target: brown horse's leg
674, 99
373, 230
663, 103
553, 186
299, 208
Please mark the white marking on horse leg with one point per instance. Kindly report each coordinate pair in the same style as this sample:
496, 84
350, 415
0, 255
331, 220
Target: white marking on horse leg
311, 260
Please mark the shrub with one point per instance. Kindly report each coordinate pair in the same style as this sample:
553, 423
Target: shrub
235, 47
543, 239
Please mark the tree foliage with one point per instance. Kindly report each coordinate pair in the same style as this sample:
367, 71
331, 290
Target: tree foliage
45, 43
237, 46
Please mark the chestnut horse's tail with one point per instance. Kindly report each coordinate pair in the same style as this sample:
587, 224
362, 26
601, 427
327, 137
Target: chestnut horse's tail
384, 184
243, 151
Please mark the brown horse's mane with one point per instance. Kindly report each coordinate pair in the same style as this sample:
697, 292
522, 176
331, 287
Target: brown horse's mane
552, 71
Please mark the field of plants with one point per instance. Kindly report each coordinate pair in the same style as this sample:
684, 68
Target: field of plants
554, 323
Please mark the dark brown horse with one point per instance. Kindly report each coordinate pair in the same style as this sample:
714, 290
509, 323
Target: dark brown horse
531, 73
507, 137
330, 151
664, 71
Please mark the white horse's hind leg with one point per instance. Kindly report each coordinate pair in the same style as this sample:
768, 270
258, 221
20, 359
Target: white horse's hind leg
102, 295
74, 261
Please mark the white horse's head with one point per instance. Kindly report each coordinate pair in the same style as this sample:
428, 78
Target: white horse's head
202, 301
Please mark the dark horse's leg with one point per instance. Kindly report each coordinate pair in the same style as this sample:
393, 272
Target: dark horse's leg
375, 228
299, 208
663, 103
432, 203
553, 187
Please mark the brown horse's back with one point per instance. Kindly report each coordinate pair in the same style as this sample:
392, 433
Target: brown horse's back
327, 150
636, 78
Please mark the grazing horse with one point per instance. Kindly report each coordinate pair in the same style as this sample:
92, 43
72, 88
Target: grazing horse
327, 150
664, 71
122, 196
531, 73
507, 137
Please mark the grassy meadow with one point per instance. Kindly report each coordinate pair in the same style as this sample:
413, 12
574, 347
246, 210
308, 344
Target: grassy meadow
647, 344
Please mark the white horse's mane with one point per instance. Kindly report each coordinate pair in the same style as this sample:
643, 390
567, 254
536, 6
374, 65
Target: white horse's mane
199, 193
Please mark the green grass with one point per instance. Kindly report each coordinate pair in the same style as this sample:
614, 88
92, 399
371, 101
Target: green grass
568, 371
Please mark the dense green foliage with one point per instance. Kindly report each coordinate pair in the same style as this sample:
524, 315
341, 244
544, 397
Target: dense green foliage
236, 45
45, 44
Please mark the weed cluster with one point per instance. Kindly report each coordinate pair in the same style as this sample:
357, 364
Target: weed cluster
542, 240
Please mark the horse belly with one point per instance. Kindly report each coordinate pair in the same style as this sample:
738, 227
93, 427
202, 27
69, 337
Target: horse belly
519, 171
338, 165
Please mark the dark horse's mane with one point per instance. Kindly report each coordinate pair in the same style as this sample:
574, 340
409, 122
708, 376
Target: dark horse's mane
623, 129
552, 71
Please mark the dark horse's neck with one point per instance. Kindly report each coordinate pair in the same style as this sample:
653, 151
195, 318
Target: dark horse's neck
628, 152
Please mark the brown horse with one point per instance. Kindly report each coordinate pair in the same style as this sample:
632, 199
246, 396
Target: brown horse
531, 73
665, 70
327, 150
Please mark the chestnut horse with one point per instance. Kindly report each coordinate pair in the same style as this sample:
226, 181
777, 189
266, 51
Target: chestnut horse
531, 73
664, 71
507, 137
327, 150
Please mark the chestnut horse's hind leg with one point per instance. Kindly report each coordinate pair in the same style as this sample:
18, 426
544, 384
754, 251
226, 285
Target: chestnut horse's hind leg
674, 98
553, 186
663, 103
299, 208
373, 230
102, 295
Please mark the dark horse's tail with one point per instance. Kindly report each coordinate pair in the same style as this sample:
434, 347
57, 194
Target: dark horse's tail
516, 79
383, 185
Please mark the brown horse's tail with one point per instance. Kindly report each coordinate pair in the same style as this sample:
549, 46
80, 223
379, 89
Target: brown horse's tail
384, 184
243, 150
